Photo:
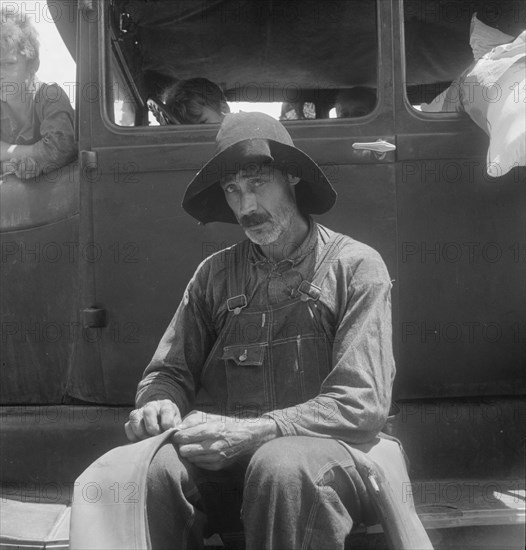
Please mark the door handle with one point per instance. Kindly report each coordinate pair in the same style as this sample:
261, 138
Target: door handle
379, 146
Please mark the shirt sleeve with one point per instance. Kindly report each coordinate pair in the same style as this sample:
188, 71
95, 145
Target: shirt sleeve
180, 355
57, 145
354, 399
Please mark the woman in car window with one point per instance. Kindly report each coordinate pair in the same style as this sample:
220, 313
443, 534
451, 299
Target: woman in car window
36, 119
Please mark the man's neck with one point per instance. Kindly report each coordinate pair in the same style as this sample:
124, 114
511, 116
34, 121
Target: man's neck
287, 245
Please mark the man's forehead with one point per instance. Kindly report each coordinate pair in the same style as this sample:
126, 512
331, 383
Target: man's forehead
247, 171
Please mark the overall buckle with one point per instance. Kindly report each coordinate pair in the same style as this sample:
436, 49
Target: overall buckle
237, 303
309, 291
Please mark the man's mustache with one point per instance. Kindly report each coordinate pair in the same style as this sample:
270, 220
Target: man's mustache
253, 219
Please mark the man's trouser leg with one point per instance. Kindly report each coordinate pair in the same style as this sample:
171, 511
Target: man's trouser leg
185, 503
302, 493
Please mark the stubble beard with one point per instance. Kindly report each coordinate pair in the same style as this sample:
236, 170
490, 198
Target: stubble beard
278, 226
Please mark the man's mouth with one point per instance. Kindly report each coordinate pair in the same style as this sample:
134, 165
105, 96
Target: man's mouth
253, 226
253, 222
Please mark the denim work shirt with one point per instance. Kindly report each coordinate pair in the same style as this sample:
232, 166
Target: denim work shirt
48, 126
355, 310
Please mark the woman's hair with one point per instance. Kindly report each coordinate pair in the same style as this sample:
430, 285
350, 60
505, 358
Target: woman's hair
17, 34
185, 99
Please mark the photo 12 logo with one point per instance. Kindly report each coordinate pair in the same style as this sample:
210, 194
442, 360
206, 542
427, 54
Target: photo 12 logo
69, 252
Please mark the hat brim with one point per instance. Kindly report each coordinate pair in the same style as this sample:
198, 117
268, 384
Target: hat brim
205, 200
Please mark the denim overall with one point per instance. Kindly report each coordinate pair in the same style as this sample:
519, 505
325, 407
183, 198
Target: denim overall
268, 357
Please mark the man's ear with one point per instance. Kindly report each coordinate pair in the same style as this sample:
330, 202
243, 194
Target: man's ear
293, 180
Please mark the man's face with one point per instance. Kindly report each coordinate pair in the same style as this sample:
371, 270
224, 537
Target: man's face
262, 199
13, 75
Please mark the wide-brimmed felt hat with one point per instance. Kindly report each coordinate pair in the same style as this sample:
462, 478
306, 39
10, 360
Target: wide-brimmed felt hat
246, 139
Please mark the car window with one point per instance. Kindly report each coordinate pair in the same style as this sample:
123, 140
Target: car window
294, 59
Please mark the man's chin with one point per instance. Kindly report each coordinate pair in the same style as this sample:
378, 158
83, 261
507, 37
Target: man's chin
260, 235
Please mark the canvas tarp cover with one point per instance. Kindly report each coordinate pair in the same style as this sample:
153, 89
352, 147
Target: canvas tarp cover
283, 44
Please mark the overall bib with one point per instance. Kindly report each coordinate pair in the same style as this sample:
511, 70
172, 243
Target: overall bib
271, 356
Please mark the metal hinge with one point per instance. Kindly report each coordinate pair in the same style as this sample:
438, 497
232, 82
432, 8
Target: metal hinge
88, 160
93, 317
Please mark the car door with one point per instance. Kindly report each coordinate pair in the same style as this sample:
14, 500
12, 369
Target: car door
142, 248
461, 263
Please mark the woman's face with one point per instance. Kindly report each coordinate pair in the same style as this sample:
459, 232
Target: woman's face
14, 77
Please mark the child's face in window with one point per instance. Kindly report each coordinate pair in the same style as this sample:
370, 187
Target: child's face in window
14, 76
351, 108
209, 116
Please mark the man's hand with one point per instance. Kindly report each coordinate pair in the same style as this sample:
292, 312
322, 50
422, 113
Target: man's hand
212, 442
154, 418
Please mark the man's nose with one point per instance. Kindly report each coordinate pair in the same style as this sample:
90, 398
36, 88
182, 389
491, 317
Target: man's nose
248, 203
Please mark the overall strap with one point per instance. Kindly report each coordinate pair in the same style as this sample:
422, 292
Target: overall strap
236, 267
312, 290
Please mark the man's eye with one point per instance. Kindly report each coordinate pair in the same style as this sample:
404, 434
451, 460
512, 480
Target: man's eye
229, 188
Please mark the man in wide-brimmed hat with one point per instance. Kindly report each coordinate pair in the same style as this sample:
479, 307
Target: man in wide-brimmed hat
277, 366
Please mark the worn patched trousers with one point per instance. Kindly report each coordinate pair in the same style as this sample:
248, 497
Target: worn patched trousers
295, 492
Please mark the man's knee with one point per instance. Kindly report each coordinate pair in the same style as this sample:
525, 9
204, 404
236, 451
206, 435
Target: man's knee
284, 468
165, 468
298, 456
280, 460
291, 466
271, 475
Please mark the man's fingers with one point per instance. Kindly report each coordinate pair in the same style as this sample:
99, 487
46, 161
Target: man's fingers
209, 458
205, 448
152, 419
130, 434
150, 416
168, 416
134, 428
196, 434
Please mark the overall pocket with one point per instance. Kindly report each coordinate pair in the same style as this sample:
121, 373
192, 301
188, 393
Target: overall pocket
299, 367
246, 377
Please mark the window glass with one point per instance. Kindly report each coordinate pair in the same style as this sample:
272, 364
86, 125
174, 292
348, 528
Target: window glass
123, 107
193, 61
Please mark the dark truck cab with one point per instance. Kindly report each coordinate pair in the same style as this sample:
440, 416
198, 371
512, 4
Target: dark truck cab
96, 256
